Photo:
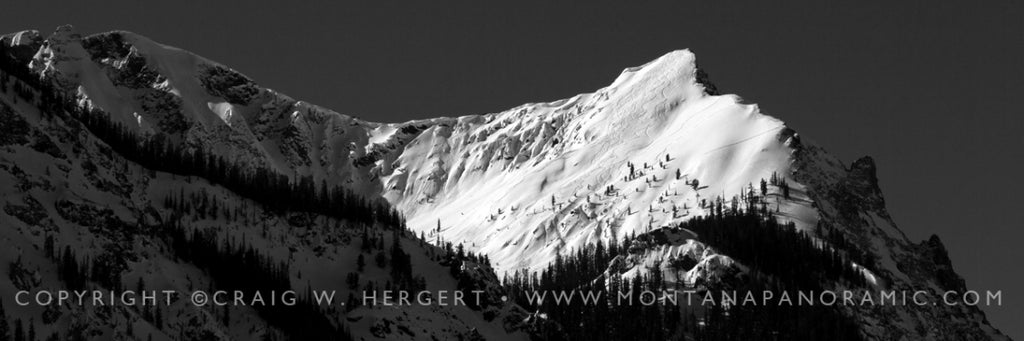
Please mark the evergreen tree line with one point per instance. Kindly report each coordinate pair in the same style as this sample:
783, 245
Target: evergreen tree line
780, 259
837, 240
462, 265
202, 204
583, 270
277, 191
470, 270
775, 322
776, 249
239, 266
11, 64
233, 266
773, 249
19, 331
76, 271
20, 89
394, 257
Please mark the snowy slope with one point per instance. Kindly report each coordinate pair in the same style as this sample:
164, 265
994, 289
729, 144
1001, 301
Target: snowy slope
489, 179
57, 181
523, 184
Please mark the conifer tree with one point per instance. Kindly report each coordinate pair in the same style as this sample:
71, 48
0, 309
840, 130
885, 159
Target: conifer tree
5, 328
19, 331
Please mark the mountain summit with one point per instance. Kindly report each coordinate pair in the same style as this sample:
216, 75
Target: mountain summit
657, 147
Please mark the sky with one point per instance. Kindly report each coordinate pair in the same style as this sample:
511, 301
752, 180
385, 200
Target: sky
927, 88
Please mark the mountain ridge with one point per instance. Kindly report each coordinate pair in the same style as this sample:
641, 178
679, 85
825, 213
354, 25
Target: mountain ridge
485, 180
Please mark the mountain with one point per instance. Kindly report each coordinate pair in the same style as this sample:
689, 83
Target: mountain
657, 148
85, 208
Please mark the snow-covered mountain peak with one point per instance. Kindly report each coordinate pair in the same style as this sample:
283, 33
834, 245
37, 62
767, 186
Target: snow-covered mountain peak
27, 37
597, 166
63, 46
652, 148
657, 147
680, 62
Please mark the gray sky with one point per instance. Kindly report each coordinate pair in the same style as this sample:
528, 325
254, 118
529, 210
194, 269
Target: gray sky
930, 89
